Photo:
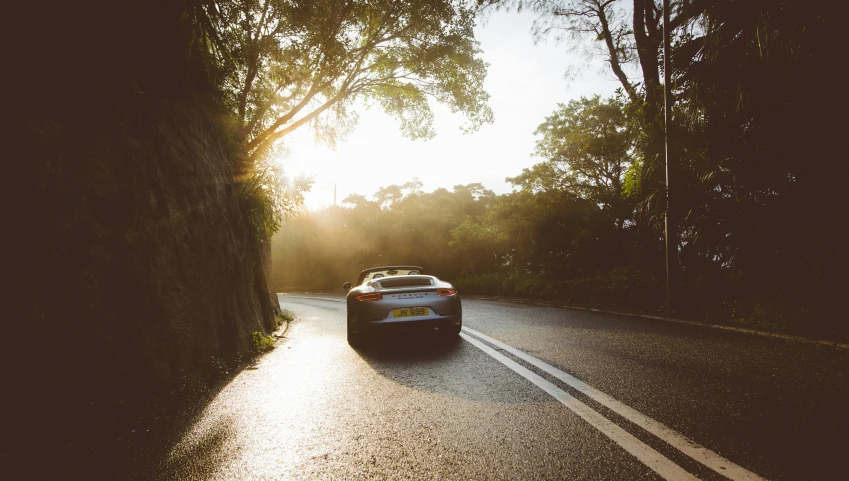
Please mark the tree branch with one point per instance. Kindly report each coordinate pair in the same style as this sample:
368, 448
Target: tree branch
259, 139
615, 64
253, 60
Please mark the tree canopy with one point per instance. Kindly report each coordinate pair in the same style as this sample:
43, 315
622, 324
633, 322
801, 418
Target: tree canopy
292, 63
280, 65
587, 147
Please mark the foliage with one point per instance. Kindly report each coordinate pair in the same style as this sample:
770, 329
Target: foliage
506, 283
587, 147
284, 317
759, 188
262, 343
280, 65
293, 63
269, 197
479, 247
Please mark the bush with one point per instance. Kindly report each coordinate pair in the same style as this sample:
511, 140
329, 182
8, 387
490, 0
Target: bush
622, 287
506, 284
262, 343
284, 317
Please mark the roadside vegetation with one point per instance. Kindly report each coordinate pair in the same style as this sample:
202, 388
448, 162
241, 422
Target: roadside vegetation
284, 317
757, 193
262, 342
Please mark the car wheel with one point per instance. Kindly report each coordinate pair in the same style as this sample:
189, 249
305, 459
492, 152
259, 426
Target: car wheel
453, 331
354, 338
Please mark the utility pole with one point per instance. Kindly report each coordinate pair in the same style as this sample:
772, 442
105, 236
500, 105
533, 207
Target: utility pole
671, 233
334, 194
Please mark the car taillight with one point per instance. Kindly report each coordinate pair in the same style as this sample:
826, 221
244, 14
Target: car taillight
446, 292
374, 296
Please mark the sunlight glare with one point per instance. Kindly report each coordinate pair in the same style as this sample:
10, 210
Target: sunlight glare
525, 81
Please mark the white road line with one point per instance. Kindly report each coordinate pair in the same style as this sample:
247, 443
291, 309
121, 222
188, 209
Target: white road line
648, 456
673, 438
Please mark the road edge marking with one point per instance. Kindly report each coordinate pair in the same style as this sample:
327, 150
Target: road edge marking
654, 460
680, 442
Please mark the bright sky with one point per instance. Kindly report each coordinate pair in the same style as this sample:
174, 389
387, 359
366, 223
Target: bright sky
525, 82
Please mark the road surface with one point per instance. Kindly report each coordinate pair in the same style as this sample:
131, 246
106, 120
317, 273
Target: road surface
527, 392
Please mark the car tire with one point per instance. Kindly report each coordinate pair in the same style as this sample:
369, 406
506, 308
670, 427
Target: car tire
453, 331
354, 338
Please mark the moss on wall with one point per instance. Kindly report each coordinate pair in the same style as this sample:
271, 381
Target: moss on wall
133, 266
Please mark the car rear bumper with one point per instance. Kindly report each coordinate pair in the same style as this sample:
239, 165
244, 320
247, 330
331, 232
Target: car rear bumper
443, 311
411, 324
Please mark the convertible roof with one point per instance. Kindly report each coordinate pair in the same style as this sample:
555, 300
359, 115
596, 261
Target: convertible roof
386, 268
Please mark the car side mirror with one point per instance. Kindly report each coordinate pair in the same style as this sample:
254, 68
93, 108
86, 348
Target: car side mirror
346, 285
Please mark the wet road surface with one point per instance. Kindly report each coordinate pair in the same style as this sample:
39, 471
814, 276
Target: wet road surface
527, 393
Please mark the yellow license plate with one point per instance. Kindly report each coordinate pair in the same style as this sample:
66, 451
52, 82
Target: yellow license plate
410, 312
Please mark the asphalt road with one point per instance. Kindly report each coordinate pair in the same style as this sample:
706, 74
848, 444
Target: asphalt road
526, 393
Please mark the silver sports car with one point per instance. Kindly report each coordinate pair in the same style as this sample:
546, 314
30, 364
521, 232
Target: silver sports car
400, 297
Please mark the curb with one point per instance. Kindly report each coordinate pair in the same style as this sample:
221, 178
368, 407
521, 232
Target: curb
776, 335
281, 331
296, 296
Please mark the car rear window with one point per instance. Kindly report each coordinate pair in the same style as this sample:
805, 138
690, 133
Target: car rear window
406, 282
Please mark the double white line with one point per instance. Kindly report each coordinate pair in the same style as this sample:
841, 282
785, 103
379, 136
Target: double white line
645, 453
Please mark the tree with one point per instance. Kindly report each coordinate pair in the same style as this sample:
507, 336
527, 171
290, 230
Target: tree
357, 201
588, 146
633, 51
631, 46
386, 197
292, 63
759, 197
480, 248
413, 187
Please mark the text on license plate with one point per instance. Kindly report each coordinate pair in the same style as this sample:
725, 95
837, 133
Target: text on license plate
410, 312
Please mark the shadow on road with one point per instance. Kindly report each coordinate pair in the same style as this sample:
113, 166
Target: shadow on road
404, 346
111, 441
189, 456
435, 364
